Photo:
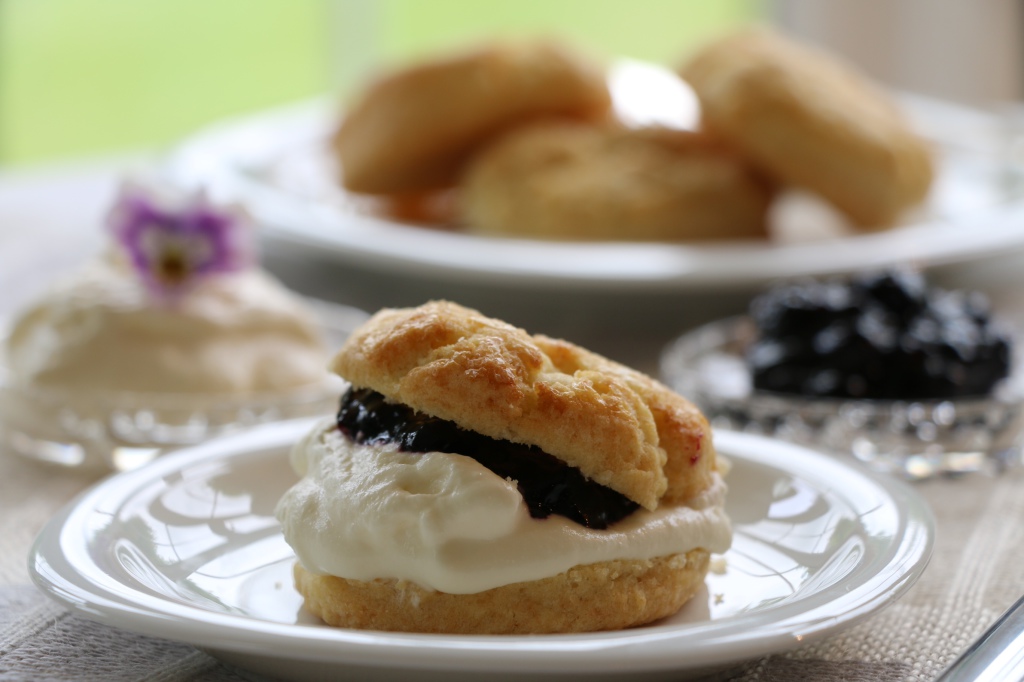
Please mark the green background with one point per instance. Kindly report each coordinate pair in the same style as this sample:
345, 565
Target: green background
83, 77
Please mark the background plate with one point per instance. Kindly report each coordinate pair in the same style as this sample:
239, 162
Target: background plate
277, 164
187, 548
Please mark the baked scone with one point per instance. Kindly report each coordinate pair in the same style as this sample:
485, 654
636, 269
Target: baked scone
813, 122
574, 180
413, 129
478, 479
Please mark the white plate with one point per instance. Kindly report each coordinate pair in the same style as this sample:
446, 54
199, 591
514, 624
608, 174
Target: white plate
187, 548
277, 164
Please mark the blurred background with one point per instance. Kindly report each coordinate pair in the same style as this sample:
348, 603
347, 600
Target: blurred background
91, 87
87, 77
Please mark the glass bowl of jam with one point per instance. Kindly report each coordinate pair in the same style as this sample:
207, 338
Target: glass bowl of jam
910, 379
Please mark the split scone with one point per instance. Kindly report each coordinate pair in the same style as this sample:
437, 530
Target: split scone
478, 479
813, 122
577, 180
412, 130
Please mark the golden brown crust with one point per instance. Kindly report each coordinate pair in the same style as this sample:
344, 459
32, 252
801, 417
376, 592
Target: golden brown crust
412, 130
602, 596
617, 426
813, 122
573, 180
683, 432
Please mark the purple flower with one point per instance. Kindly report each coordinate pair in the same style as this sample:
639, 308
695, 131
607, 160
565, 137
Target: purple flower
172, 244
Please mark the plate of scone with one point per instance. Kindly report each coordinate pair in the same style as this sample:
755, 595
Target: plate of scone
487, 502
531, 162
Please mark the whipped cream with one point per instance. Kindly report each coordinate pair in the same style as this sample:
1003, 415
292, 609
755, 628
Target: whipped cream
100, 329
446, 522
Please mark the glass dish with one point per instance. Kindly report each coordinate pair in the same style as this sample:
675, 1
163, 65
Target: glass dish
122, 430
916, 439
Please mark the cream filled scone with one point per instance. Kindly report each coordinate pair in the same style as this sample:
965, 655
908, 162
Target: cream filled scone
478, 479
101, 330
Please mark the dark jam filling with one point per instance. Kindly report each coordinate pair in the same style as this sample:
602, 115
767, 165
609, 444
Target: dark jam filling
547, 484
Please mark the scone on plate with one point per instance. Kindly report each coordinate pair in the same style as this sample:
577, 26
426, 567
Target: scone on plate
412, 130
812, 122
478, 479
585, 181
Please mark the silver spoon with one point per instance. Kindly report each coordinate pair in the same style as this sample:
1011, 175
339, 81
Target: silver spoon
997, 656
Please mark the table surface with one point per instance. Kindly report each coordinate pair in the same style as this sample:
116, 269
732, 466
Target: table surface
50, 222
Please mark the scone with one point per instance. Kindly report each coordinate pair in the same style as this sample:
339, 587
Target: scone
812, 122
478, 479
412, 130
566, 180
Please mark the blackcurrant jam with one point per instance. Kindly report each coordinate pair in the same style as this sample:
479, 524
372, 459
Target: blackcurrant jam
880, 335
548, 485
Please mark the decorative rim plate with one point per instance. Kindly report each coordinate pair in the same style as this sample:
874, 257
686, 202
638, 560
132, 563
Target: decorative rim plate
277, 164
913, 438
188, 549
